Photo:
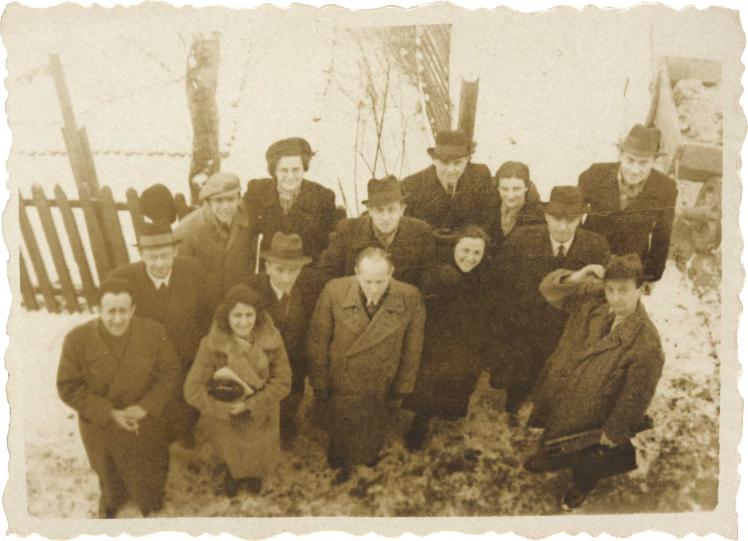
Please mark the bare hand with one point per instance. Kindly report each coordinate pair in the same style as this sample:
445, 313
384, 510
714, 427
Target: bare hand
593, 271
235, 408
606, 441
135, 412
123, 420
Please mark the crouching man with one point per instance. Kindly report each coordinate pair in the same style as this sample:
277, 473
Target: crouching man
364, 346
118, 371
599, 381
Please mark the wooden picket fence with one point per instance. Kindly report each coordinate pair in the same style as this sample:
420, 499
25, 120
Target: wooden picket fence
97, 251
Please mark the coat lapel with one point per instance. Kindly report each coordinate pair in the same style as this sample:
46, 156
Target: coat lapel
179, 288
386, 321
355, 314
622, 335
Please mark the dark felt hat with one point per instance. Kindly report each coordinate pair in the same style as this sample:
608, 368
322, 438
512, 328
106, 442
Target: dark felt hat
642, 141
383, 191
566, 202
451, 145
293, 146
156, 235
225, 389
287, 249
623, 267
157, 203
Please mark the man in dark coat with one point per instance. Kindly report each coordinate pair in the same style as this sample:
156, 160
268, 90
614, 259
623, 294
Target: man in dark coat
529, 328
364, 346
408, 241
602, 376
631, 204
452, 192
118, 372
287, 288
217, 234
289, 203
169, 289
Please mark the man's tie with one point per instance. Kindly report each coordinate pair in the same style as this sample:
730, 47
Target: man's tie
561, 254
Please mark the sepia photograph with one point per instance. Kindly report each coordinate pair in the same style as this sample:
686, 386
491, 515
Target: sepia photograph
394, 264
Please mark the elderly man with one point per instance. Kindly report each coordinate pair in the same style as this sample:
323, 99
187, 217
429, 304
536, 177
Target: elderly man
217, 234
529, 329
452, 192
168, 288
288, 202
408, 241
631, 204
118, 372
364, 346
601, 379
290, 294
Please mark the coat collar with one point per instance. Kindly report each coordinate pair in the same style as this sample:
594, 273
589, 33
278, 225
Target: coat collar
305, 199
265, 337
623, 335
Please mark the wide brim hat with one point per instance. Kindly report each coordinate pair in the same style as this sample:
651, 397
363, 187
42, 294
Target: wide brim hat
451, 145
642, 141
383, 191
566, 202
156, 235
220, 184
288, 249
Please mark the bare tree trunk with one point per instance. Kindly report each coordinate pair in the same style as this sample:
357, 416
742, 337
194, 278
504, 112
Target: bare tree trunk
201, 83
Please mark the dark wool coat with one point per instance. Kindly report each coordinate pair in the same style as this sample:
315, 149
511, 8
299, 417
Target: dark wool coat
312, 215
225, 256
412, 250
360, 361
644, 227
249, 442
593, 379
458, 311
528, 328
92, 382
531, 213
473, 202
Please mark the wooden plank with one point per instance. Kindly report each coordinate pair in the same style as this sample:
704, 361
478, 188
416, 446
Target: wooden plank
28, 297
115, 239
74, 156
133, 204
69, 297
76, 204
50, 301
95, 234
183, 209
76, 244
468, 106
88, 162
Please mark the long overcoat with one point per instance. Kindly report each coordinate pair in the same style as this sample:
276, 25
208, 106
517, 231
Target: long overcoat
225, 255
644, 227
528, 328
473, 202
312, 216
249, 443
360, 361
93, 381
595, 378
531, 213
412, 250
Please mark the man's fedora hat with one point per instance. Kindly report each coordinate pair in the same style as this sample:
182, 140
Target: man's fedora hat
383, 191
156, 235
219, 184
288, 249
451, 145
642, 141
566, 202
621, 267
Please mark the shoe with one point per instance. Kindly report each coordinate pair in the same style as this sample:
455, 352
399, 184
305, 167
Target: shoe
253, 484
573, 498
106, 511
416, 436
512, 420
537, 463
344, 474
230, 485
152, 509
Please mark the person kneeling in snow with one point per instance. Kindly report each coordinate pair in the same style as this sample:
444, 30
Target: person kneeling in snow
599, 382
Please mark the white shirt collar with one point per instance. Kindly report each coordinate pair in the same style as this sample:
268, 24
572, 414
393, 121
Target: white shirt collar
278, 292
158, 281
566, 245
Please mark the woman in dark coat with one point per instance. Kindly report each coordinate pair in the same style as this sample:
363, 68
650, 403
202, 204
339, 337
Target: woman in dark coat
456, 291
519, 202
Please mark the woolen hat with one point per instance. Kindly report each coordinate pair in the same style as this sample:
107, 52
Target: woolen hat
293, 146
642, 141
513, 170
219, 184
157, 203
288, 249
156, 235
623, 267
242, 293
383, 191
566, 202
451, 145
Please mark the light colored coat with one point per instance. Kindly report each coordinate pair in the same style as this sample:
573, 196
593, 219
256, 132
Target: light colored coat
249, 443
360, 361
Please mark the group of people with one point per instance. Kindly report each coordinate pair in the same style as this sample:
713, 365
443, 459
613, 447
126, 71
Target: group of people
448, 273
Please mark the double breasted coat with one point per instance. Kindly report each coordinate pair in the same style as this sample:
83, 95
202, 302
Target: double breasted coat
531, 213
93, 380
596, 378
528, 329
224, 254
644, 227
249, 443
412, 250
312, 216
473, 201
360, 362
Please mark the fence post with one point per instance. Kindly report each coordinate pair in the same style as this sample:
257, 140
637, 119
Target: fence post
115, 239
468, 106
136, 214
28, 295
98, 246
50, 301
